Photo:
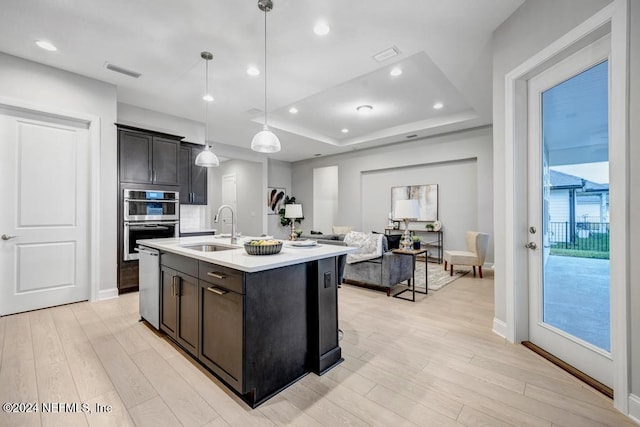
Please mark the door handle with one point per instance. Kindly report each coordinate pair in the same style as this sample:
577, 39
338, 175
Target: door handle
8, 237
531, 245
217, 291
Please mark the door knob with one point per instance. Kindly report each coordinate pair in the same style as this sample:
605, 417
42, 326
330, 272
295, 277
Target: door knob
531, 245
7, 237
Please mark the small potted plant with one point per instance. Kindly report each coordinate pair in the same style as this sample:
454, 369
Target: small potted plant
416, 242
429, 227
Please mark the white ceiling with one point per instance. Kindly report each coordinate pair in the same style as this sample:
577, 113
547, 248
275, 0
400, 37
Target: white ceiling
445, 54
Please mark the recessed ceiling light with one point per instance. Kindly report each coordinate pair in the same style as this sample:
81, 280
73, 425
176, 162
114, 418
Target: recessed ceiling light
438, 105
46, 45
321, 28
386, 54
364, 109
253, 71
345, 130
396, 71
293, 110
208, 97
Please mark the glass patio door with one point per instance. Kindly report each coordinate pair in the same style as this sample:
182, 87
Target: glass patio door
569, 314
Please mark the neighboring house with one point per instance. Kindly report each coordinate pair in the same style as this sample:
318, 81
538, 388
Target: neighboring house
574, 202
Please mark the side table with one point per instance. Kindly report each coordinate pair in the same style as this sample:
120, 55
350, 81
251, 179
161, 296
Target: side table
413, 253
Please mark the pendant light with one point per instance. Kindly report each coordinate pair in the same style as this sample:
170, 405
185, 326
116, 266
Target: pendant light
206, 158
265, 141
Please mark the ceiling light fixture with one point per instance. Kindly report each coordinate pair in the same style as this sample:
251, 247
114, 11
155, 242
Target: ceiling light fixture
395, 72
253, 71
46, 45
206, 158
293, 110
364, 109
265, 141
386, 54
321, 28
438, 106
345, 130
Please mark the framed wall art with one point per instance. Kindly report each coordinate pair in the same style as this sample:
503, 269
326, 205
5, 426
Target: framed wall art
426, 195
275, 198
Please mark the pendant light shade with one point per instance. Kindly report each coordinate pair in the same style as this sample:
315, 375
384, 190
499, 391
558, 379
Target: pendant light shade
265, 141
207, 158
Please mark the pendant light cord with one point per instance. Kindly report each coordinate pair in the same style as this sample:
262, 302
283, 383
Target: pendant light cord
265, 68
206, 104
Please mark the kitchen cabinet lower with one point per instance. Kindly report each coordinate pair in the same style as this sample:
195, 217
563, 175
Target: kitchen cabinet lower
179, 301
258, 332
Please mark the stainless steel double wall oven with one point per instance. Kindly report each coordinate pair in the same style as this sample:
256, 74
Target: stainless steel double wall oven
148, 214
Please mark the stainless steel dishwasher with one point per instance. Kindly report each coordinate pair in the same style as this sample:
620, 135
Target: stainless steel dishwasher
149, 286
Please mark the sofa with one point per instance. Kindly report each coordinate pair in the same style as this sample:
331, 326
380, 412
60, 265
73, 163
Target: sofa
382, 273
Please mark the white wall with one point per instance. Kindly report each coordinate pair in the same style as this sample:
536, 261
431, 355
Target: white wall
131, 115
424, 153
325, 199
279, 177
49, 87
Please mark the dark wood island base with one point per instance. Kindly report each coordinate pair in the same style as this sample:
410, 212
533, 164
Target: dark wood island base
257, 332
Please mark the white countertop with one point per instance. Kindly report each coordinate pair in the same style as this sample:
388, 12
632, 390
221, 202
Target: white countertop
238, 258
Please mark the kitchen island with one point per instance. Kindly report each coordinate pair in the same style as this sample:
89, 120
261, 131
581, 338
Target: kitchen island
259, 323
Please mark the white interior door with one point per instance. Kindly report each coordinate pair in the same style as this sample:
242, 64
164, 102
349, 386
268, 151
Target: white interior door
569, 305
44, 217
228, 197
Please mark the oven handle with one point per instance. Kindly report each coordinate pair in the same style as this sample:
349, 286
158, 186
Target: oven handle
130, 223
152, 200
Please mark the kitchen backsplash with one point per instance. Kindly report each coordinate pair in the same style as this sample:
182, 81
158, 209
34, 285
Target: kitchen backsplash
192, 217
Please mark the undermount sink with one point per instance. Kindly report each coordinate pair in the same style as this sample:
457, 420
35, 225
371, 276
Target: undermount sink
206, 247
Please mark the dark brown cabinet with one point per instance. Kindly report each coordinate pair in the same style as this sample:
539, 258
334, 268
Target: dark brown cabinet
179, 302
148, 158
193, 178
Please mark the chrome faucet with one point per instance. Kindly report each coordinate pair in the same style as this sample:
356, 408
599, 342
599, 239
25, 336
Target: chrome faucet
234, 239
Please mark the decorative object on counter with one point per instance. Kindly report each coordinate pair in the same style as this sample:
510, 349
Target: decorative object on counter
437, 225
207, 158
406, 210
275, 197
293, 211
263, 247
416, 242
265, 141
284, 221
425, 195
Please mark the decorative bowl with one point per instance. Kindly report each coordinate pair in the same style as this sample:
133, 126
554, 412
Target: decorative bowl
269, 249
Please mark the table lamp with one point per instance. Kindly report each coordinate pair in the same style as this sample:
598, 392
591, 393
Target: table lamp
293, 211
406, 210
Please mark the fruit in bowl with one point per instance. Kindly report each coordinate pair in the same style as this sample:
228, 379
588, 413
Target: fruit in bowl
263, 246
263, 242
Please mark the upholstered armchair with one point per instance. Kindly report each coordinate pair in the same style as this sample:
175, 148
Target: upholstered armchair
477, 244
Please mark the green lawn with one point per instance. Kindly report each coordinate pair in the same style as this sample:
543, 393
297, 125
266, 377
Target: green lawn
578, 253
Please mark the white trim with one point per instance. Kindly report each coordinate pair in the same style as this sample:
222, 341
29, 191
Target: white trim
95, 190
499, 327
104, 294
616, 15
634, 408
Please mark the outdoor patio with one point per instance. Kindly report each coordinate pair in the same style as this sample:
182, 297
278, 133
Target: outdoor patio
577, 298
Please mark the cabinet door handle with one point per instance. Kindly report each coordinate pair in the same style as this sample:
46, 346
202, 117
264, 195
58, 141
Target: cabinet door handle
155, 176
216, 275
217, 291
173, 286
150, 175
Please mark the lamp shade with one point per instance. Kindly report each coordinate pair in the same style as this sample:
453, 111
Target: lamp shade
408, 209
293, 210
265, 141
207, 158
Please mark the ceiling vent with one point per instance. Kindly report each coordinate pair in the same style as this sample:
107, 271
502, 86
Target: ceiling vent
386, 54
413, 135
121, 70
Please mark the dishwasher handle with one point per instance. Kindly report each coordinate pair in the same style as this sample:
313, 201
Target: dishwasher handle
147, 251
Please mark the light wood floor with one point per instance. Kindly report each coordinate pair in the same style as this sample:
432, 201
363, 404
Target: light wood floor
430, 363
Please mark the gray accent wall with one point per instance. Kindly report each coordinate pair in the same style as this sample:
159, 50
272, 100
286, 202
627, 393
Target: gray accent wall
460, 162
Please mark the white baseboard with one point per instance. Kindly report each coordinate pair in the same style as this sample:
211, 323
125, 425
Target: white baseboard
634, 408
499, 327
107, 294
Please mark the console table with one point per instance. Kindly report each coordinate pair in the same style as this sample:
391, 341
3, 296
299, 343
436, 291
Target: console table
433, 240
